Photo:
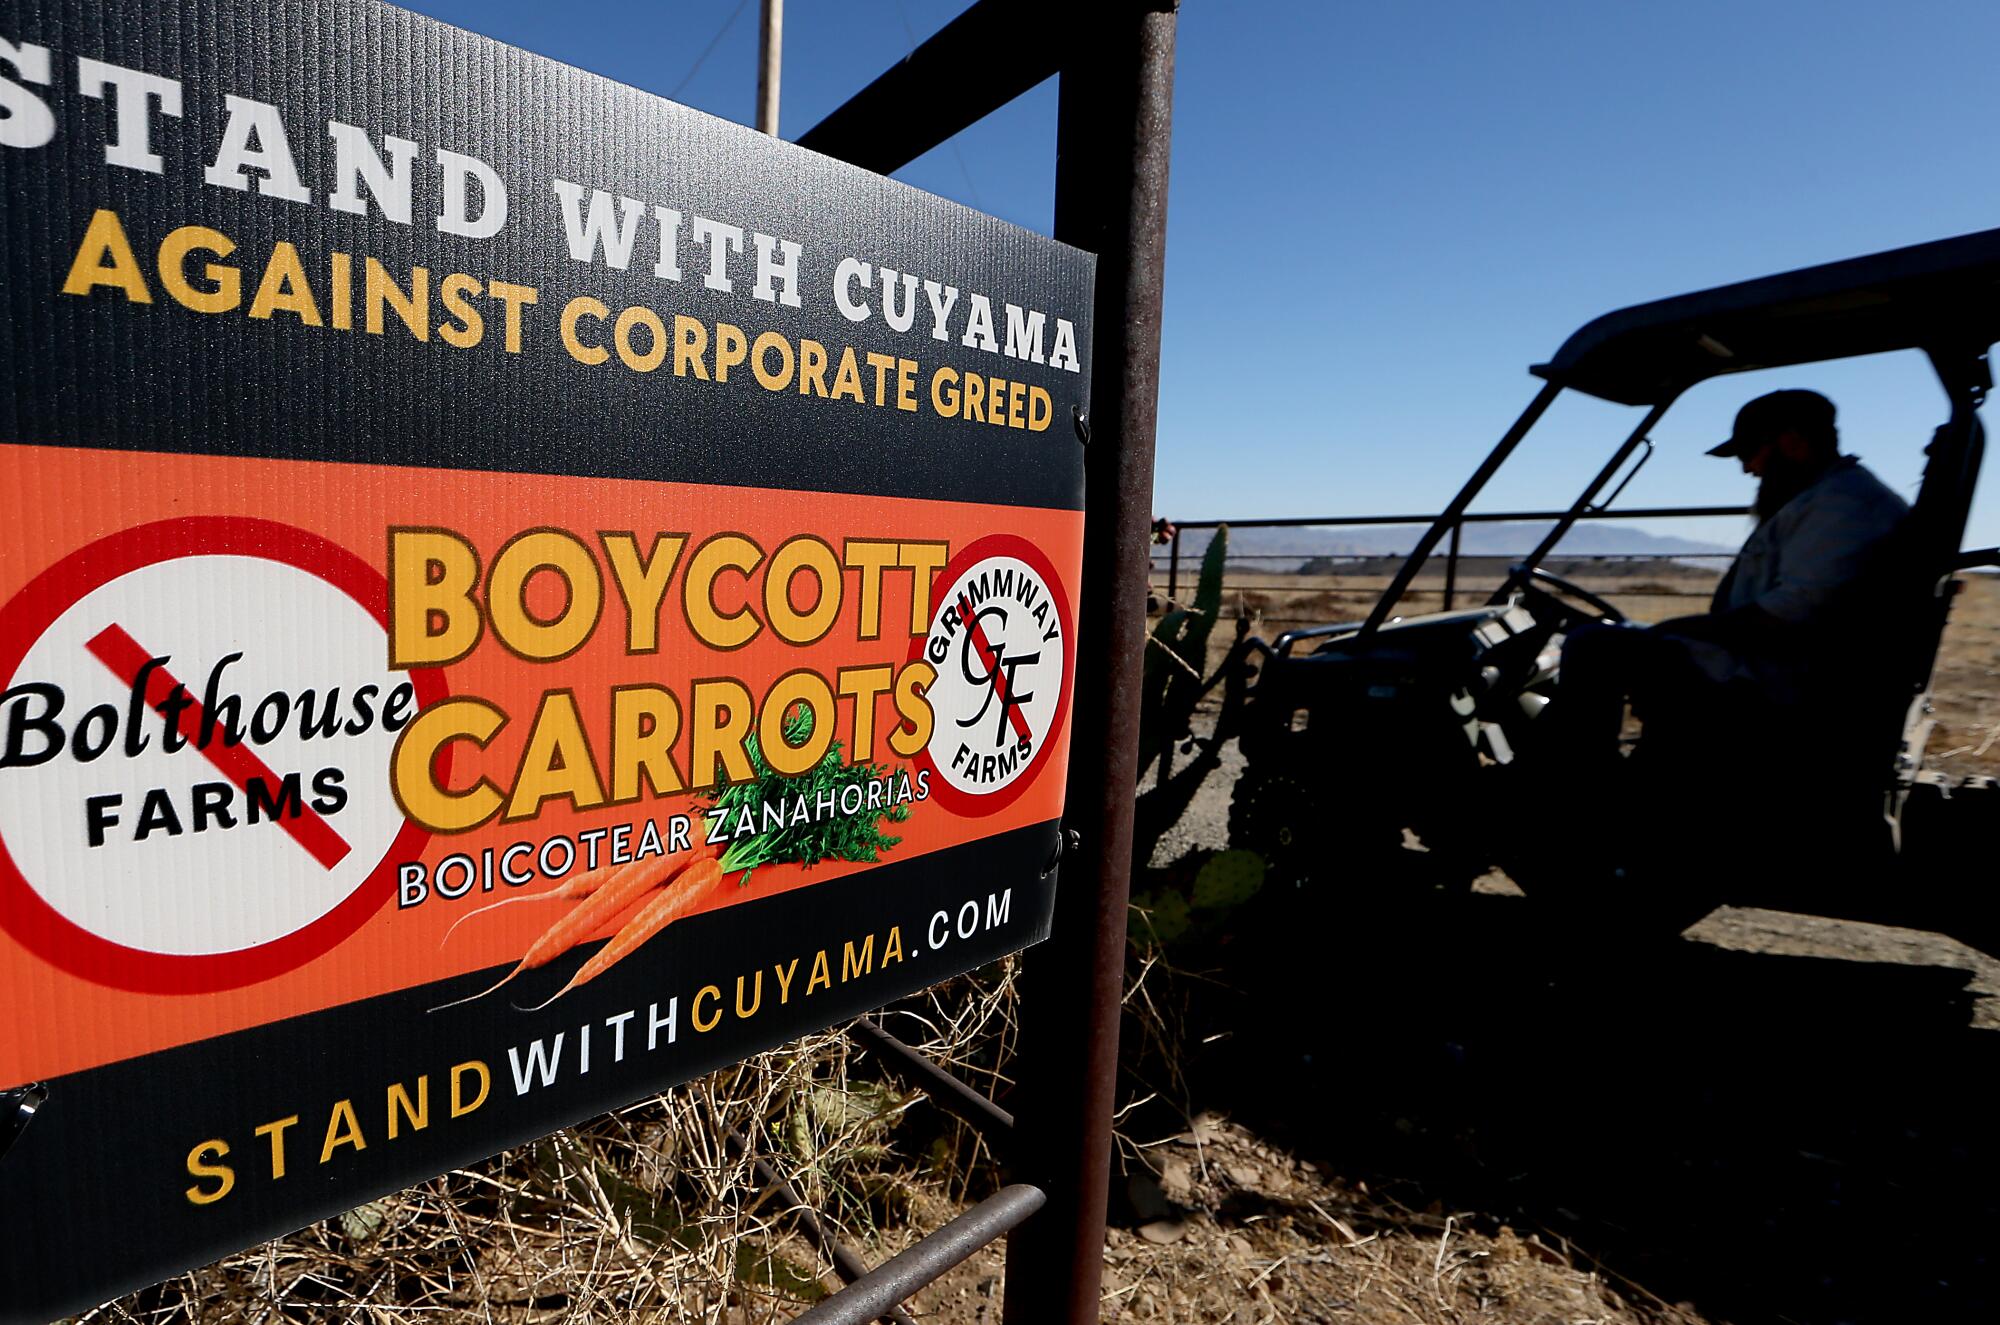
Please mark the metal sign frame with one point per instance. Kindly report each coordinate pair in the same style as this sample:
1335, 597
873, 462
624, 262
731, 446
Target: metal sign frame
1115, 63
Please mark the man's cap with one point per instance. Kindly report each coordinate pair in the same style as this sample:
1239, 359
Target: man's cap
1805, 412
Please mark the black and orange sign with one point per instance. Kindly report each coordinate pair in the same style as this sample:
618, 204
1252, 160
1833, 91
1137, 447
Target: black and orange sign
493, 622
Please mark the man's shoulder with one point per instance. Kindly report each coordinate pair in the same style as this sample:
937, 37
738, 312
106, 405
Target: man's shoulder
1860, 480
1853, 486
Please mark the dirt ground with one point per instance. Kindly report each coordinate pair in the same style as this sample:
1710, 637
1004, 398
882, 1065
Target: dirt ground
1966, 685
1217, 1225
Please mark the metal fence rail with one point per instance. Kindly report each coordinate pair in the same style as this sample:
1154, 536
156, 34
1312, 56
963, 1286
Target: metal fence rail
878, 1291
993, 1123
1289, 582
1454, 554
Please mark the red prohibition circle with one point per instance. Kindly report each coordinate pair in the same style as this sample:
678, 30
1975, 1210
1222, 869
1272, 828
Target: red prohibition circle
51, 935
978, 804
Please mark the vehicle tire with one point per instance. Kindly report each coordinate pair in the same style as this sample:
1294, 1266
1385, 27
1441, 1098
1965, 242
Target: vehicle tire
1270, 813
1314, 832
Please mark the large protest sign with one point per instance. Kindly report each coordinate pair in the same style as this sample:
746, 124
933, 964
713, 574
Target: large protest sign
434, 478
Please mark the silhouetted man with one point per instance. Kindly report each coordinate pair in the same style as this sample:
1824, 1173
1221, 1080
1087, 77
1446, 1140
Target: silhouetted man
1823, 529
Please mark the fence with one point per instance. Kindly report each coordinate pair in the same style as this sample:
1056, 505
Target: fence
1455, 556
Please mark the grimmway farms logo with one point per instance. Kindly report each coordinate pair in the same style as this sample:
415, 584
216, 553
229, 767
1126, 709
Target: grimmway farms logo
196, 721
999, 638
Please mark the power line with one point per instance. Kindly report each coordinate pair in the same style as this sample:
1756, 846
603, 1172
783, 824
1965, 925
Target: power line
709, 49
957, 155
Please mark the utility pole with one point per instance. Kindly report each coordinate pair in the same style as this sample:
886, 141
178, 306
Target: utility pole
770, 55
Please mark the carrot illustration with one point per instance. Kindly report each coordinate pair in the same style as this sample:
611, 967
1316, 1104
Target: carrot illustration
618, 893
854, 835
573, 889
699, 878
851, 835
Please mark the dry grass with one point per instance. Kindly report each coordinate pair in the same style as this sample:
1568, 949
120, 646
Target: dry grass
1253, 1235
650, 1214
1966, 686
1241, 1232
643, 1215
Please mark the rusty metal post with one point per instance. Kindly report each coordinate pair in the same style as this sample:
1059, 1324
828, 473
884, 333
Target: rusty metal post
1114, 129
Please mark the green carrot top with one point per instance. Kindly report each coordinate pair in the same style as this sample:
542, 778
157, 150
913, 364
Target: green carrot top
809, 838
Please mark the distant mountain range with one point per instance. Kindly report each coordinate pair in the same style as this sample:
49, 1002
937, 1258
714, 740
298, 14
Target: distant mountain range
1588, 538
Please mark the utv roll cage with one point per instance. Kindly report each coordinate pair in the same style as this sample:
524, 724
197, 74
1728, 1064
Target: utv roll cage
1405, 727
1941, 298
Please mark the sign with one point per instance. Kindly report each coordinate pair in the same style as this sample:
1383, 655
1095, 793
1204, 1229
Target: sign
513, 594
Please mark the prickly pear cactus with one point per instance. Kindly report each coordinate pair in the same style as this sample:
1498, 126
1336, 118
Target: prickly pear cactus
1177, 657
1230, 878
1165, 919
1193, 903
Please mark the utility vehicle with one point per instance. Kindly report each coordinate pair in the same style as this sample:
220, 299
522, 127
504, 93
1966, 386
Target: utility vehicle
1413, 735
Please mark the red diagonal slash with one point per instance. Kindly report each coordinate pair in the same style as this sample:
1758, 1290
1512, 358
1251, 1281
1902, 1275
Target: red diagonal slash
977, 634
124, 656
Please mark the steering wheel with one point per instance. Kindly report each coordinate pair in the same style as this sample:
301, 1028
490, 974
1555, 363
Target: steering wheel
1507, 666
1533, 577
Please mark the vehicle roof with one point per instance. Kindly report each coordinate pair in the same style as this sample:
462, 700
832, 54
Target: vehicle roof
1946, 290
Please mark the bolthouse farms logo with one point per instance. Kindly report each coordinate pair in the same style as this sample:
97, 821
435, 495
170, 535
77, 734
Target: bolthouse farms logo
1000, 639
196, 718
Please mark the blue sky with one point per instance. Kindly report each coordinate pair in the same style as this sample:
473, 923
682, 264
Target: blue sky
1382, 213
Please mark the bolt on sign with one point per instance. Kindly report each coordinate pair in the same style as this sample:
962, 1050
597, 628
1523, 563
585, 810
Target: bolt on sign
513, 594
